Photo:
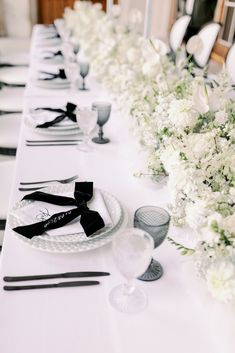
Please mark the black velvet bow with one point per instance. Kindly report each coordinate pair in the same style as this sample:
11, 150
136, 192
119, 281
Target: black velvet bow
61, 75
91, 221
69, 113
57, 53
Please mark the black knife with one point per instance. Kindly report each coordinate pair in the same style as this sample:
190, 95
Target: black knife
53, 285
56, 275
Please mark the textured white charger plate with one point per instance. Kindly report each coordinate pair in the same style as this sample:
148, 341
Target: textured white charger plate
51, 131
74, 242
52, 84
49, 42
57, 127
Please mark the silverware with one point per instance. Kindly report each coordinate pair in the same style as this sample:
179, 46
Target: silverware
52, 141
62, 181
32, 189
56, 275
12, 84
53, 285
50, 144
5, 112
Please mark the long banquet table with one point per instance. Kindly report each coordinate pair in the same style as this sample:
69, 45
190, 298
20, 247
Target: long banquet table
180, 317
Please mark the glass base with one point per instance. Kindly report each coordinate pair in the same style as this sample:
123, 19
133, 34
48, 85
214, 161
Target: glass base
85, 147
154, 272
128, 303
100, 141
83, 89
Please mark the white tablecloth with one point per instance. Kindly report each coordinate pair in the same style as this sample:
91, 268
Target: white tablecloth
181, 317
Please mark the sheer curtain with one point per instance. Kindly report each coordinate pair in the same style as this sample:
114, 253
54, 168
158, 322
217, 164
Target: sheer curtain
17, 17
163, 15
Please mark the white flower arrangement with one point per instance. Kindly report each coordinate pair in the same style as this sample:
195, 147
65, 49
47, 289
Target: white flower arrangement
186, 125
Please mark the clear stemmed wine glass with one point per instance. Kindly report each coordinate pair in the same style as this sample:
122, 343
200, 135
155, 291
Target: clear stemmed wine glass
72, 73
103, 109
84, 70
132, 251
86, 119
68, 52
155, 221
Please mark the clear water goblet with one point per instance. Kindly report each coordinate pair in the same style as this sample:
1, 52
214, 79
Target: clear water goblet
72, 74
155, 221
104, 110
132, 251
86, 119
84, 70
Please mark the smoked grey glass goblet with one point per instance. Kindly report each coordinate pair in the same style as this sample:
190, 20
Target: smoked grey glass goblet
103, 110
155, 221
84, 70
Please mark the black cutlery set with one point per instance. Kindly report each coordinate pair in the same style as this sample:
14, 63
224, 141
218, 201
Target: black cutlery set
79, 274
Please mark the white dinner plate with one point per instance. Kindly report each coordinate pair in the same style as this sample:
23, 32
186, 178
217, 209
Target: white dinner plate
74, 242
47, 42
65, 124
56, 83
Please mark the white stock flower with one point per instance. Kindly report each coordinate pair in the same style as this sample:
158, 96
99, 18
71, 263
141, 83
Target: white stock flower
220, 278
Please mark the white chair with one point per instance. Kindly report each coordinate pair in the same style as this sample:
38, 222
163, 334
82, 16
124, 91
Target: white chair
11, 100
11, 76
189, 7
9, 133
7, 169
208, 34
230, 63
178, 31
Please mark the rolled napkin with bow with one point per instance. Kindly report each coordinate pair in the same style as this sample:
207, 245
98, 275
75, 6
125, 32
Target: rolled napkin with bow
51, 55
60, 215
47, 76
46, 117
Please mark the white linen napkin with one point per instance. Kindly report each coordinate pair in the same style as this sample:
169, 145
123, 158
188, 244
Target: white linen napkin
39, 211
39, 117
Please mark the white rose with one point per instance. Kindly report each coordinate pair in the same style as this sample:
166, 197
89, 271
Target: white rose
159, 46
132, 55
200, 97
209, 236
232, 191
196, 214
150, 68
182, 114
228, 223
220, 278
116, 10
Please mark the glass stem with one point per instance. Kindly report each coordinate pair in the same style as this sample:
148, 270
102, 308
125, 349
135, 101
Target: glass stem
101, 134
86, 139
83, 84
128, 287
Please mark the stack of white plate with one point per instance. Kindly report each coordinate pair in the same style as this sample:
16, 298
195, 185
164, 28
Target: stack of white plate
69, 243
